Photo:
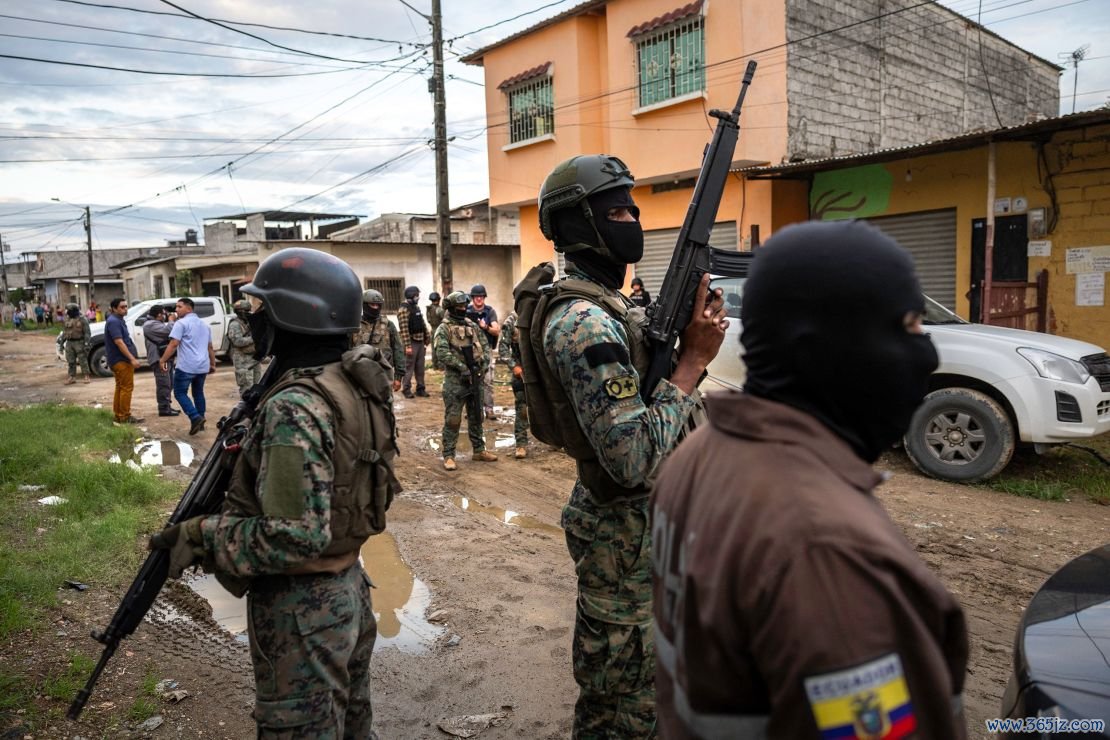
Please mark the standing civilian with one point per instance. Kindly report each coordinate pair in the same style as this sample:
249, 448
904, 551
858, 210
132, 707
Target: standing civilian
17, 319
156, 332
639, 296
121, 355
191, 341
49, 314
486, 319
414, 338
40, 312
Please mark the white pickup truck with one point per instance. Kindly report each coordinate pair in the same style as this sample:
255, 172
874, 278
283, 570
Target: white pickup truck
995, 388
211, 310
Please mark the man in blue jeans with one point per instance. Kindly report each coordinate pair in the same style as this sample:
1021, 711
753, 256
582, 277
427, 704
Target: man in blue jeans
191, 341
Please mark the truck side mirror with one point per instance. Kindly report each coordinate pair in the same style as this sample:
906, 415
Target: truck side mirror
140, 321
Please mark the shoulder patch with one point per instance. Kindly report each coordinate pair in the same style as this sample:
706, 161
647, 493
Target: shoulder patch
605, 353
868, 701
624, 386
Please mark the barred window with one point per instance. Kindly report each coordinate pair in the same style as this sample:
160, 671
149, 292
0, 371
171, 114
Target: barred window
531, 110
671, 61
390, 288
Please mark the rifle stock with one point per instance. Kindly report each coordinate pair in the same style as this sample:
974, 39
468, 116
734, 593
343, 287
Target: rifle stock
693, 257
203, 496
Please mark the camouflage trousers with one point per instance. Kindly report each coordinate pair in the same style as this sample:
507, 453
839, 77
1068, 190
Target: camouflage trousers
520, 423
456, 399
311, 638
77, 353
614, 644
248, 371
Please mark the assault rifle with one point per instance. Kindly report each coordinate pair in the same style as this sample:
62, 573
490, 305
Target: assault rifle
204, 496
679, 297
475, 398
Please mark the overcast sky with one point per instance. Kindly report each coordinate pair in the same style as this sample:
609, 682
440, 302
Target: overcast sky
339, 135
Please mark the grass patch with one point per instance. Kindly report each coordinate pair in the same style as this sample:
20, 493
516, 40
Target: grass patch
1063, 473
93, 536
142, 709
63, 685
150, 683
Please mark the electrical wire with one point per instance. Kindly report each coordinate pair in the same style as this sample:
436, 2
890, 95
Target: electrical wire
172, 74
503, 22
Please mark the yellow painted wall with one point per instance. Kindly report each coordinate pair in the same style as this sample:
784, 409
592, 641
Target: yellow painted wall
1081, 163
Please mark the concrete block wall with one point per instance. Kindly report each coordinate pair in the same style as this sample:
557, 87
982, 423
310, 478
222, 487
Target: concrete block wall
909, 77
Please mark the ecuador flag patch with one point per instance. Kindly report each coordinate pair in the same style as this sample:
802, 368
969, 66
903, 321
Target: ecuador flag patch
868, 702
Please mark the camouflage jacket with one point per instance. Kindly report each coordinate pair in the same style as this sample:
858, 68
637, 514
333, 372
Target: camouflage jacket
507, 347
588, 351
298, 421
239, 336
403, 325
435, 315
450, 357
383, 335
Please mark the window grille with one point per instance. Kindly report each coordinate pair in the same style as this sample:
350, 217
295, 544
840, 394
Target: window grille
671, 61
390, 288
531, 110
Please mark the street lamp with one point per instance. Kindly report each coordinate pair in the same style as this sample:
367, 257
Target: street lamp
88, 241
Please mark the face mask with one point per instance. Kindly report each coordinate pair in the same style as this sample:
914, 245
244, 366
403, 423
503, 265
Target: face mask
371, 312
457, 312
624, 239
262, 331
823, 318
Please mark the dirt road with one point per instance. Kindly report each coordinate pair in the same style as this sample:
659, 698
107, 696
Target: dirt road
481, 587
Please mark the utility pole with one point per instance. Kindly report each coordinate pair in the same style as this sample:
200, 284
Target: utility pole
3, 271
88, 240
443, 215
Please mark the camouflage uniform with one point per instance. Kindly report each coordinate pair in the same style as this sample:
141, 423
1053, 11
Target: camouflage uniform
610, 538
457, 394
77, 334
383, 335
435, 316
248, 370
311, 635
510, 355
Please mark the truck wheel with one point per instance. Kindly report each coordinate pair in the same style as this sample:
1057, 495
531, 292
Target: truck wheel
960, 435
98, 362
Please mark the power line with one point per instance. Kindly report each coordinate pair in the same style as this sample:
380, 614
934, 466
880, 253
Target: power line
507, 20
171, 74
373, 170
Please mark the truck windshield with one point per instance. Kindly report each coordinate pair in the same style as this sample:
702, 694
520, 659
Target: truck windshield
938, 314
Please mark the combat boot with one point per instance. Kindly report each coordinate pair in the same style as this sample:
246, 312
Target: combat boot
449, 464
70, 381
520, 453
484, 456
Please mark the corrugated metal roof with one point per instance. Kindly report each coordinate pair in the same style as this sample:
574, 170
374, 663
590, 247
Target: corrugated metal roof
475, 57
285, 216
527, 74
963, 141
675, 15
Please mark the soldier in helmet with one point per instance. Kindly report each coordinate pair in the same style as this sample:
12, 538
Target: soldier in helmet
592, 358
248, 370
508, 350
465, 355
77, 334
303, 499
434, 313
378, 331
486, 318
415, 339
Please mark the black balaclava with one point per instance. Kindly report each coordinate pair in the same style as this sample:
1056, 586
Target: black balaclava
823, 317
292, 350
457, 312
73, 312
624, 240
371, 311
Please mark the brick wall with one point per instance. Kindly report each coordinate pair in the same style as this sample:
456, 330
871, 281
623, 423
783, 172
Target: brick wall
909, 77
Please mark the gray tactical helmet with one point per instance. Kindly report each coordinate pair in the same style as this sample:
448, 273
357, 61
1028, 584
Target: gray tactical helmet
242, 306
372, 296
576, 179
455, 300
308, 292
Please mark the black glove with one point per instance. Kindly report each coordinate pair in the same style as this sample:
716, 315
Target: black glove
465, 378
185, 543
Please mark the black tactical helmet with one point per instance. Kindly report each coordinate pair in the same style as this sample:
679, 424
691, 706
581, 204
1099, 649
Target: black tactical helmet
478, 289
456, 300
308, 292
433, 296
574, 180
411, 292
372, 296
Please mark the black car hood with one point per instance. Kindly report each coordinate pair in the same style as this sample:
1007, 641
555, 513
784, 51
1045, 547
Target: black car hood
1063, 643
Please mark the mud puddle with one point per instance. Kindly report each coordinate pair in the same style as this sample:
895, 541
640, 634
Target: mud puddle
505, 516
156, 452
400, 600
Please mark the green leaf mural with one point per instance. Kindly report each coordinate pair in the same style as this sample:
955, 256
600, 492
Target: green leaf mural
852, 193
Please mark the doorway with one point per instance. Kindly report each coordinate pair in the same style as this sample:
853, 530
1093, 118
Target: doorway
1010, 263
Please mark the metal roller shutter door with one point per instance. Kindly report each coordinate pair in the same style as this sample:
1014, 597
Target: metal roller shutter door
931, 238
659, 246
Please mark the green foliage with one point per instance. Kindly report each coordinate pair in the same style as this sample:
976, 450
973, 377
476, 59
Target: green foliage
63, 685
1063, 473
93, 536
142, 709
184, 283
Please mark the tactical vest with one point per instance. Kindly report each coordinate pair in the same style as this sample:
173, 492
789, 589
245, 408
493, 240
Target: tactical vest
415, 318
551, 414
358, 390
249, 349
74, 329
377, 334
463, 335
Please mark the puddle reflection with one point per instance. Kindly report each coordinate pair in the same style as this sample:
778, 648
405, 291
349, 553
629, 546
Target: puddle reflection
155, 452
400, 600
505, 516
